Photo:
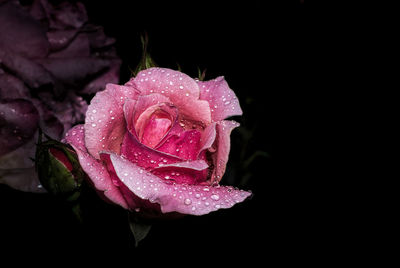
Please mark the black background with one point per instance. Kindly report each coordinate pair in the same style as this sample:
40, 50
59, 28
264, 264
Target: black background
261, 49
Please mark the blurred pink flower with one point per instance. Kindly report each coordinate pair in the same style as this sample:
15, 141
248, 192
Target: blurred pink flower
50, 56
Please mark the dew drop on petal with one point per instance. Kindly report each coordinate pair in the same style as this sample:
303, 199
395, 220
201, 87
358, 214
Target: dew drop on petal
215, 197
187, 201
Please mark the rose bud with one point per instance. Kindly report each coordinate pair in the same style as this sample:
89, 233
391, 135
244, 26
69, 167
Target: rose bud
59, 170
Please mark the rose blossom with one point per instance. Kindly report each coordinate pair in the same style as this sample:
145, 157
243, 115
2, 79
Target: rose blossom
50, 55
160, 143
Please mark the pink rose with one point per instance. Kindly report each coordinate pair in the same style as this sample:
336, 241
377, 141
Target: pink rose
160, 143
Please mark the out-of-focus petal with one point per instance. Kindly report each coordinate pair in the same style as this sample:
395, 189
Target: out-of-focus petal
18, 123
12, 87
21, 33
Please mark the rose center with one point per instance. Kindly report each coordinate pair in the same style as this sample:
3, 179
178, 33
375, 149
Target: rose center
155, 129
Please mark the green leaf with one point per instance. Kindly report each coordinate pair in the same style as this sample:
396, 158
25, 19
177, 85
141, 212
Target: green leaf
146, 60
139, 228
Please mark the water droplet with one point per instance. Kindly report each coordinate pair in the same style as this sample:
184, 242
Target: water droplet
112, 117
94, 111
206, 189
93, 125
207, 204
217, 206
187, 94
181, 87
188, 201
197, 195
215, 197
167, 177
193, 208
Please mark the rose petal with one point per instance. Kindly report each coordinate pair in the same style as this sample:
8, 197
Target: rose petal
208, 137
21, 33
12, 88
93, 168
24, 179
185, 146
60, 38
142, 104
32, 73
155, 123
189, 172
73, 71
185, 199
65, 15
105, 124
133, 201
144, 156
18, 123
110, 76
223, 144
181, 89
223, 101
78, 47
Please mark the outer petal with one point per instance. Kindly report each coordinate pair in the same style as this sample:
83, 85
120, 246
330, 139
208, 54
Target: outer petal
223, 101
94, 168
194, 199
190, 172
105, 123
181, 89
223, 144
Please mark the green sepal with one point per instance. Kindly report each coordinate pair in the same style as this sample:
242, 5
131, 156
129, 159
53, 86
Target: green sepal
53, 174
139, 227
146, 61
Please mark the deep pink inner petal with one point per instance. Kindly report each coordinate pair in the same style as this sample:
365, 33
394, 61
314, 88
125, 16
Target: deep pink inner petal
143, 155
155, 130
184, 145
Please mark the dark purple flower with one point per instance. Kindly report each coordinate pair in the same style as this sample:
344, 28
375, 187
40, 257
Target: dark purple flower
50, 57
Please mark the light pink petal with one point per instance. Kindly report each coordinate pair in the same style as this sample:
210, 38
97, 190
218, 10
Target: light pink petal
185, 199
144, 102
154, 123
208, 137
105, 123
223, 145
181, 89
185, 146
188, 172
94, 169
223, 101
144, 156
